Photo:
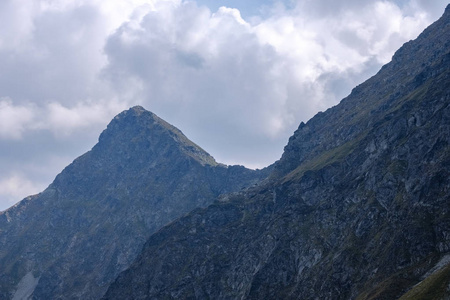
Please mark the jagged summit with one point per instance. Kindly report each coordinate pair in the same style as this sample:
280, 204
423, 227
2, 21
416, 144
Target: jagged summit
138, 109
136, 122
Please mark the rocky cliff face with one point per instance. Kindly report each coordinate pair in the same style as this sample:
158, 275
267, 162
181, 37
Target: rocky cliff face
71, 241
357, 207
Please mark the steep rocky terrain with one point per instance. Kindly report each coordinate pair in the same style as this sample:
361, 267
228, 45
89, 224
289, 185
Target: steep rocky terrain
357, 207
71, 241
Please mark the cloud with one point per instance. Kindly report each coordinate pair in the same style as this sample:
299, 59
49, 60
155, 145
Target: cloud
63, 120
57, 59
14, 119
52, 51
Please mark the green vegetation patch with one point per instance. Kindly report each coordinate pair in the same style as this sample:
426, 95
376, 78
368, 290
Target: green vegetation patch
325, 158
434, 287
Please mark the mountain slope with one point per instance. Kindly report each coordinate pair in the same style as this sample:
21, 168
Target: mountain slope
71, 241
357, 207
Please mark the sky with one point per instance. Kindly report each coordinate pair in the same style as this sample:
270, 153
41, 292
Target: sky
237, 77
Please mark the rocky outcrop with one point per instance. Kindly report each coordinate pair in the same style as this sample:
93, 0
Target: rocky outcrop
357, 207
71, 241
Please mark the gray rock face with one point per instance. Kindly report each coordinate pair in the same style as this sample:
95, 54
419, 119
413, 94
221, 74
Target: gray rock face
357, 207
71, 241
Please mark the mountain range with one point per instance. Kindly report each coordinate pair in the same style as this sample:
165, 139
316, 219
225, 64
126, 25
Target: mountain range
357, 207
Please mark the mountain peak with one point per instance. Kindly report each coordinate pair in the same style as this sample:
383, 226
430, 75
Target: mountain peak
135, 112
137, 109
140, 126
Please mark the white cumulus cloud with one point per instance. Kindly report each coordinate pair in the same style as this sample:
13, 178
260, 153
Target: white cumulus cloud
14, 119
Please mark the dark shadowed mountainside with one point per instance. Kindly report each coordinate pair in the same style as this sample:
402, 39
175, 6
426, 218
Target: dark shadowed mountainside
357, 207
71, 241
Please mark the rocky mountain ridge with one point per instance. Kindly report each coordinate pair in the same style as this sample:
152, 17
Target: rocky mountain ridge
357, 207
71, 240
